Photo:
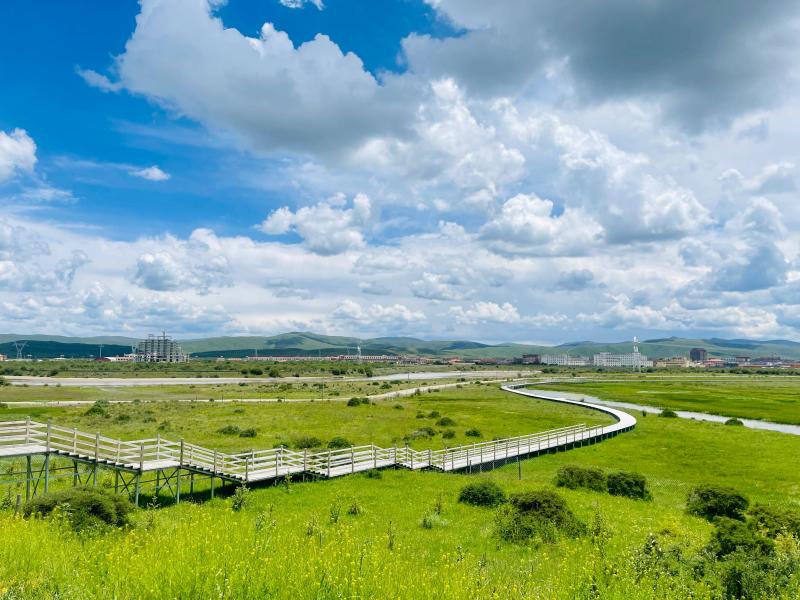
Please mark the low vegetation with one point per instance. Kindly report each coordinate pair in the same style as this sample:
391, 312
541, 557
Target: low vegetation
710, 502
83, 508
482, 493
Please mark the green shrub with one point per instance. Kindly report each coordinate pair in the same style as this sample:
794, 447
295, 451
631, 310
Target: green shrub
482, 493
229, 430
434, 414
734, 422
240, 498
448, 434
629, 485
731, 535
339, 443
773, 521
84, 507
98, 409
445, 422
354, 402
355, 509
709, 502
426, 432
668, 413
431, 520
248, 433
473, 433
307, 441
3, 405
373, 474
573, 477
542, 514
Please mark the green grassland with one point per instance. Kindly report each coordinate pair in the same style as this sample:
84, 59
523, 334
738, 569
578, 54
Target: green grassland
768, 398
225, 368
286, 544
333, 390
386, 423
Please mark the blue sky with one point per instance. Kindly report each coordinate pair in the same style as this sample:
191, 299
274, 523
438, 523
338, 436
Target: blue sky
405, 167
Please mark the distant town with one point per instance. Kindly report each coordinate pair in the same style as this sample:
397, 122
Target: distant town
162, 348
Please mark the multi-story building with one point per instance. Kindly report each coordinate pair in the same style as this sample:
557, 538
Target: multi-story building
564, 360
698, 354
634, 359
675, 361
159, 348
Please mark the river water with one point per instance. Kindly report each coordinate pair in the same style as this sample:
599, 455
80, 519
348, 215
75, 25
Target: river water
684, 414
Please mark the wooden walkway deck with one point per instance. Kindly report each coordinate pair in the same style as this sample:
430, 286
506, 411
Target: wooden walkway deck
168, 458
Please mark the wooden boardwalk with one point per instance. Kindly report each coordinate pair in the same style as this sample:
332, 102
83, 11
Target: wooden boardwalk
168, 459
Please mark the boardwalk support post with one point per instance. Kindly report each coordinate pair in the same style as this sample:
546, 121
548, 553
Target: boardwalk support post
213, 473
47, 459
178, 482
96, 457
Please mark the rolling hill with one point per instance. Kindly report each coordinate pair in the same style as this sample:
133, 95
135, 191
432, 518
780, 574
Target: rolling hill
309, 344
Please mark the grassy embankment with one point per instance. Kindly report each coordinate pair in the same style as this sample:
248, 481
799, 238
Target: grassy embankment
285, 543
752, 397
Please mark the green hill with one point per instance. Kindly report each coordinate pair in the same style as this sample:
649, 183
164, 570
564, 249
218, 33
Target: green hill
300, 343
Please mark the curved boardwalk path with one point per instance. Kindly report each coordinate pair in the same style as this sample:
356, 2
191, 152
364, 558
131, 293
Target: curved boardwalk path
170, 462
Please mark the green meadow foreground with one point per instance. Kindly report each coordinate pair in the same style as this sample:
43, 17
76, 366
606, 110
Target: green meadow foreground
404, 534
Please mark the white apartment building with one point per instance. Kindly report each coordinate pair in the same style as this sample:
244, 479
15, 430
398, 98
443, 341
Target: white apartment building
634, 360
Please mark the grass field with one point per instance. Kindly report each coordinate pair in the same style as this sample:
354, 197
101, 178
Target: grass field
222, 368
751, 397
386, 423
333, 389
285, 543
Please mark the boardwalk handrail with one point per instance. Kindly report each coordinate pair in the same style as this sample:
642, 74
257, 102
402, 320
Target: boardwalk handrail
154, 454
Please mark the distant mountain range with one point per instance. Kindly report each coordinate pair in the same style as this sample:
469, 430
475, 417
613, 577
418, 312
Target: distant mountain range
309, 344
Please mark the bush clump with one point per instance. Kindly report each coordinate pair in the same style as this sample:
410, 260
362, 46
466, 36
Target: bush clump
339, 443
445, 422
731, 535
710, 501
448, 434
354, 402
248, 433
307, 441
541, 514
473, 433
573, 477
230, 430
482, 493
668, 413
629, 485
734, 422
773, 521
434, 414
84, 507
98, 409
